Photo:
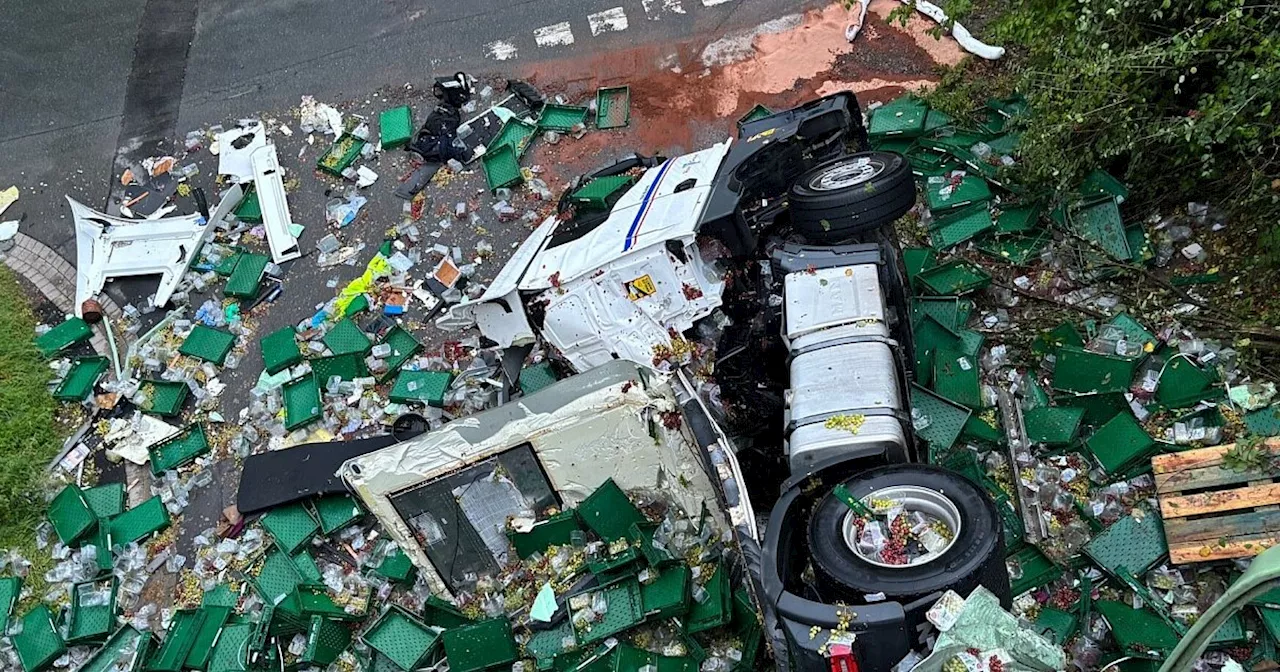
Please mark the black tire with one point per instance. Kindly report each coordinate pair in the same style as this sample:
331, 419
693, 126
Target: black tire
977, 557
823, 209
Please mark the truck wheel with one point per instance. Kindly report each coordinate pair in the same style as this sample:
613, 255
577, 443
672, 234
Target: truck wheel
975, 554
851, 195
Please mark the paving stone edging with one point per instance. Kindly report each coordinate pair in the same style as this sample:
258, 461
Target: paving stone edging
55, 277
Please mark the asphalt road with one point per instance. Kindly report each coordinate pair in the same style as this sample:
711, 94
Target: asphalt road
86, 85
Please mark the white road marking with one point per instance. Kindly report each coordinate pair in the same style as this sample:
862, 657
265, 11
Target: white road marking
609, 20
555, 35
713, 3
654, 9
500, 50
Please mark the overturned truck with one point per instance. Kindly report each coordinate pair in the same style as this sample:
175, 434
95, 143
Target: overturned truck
736, 322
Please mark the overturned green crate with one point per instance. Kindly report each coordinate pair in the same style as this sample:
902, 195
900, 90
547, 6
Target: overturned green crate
70, 515
954, 278
1135, 544
73, 330
608, 512
756, 113
291, 526
480, 646
184, 629
425, 387
179, 450
716, 608
403, 347
80, 379
336, 512
249, 210
1098, 221
1052, 425
403, 639
1029, 569
139, 522
301, 402
942, 195
959, 225
395, 127
206, 635
1082, 372
208, 344
624, 611
164, 397
517, 134
247, 276
38, 644
955, 377
501, 167
903, 117
280, 350
1184, 384
556, 530
345, 337
597, 193
326, 640
536, 377
277, 577
937, 420
231, 652
125, 651
561, 117
668, 595
90, 623
1121, 444
347, 366
397, 567
10, 589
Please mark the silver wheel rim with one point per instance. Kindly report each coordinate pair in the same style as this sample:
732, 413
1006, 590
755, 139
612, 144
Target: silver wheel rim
847, 174
913, 498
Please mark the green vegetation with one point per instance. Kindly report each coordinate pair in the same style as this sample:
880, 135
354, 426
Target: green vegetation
1180, 99
29, 437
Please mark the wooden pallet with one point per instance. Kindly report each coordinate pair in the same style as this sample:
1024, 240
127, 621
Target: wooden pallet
1212, 512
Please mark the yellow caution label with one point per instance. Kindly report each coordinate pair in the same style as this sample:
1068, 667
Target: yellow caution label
640, 287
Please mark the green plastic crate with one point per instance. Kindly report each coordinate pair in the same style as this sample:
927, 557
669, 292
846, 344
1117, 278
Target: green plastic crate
250, 208
179, 450
220, 596
609, 512
91, 623
207, 634
80, 379
340, 155
1264, 422
70, 515
903, 116
125, 651
1101, 183
1098, 408
1029, 569
336, 512
1120, 444
717, 608
326, 640
536, 377
397, 567
930, 337
291, 526
629, 658
1052, 425
480, 646
977, 429
1138, 631
301, 402
669, 595
917, 260
556, 530
1130, 544
595, 194
105, 501
501, 167
277, 577
247, 276
613, 107
139, 522
756, 113
208, 344
955, 377
544, 645
561, 117
954, 278
347, 366
517, 134
280, 350
401, 638
1056, 625
624, 610
1098, 221
941, 196
73, 330
10, 589
231, 651
395, 127
960, 224
1082, 372
307, 568
403, 347
345, 337
1016, 249
39, 643
1019, 218
945, 419
441, 613
427, 387
1184, 384
164, 397
172, 654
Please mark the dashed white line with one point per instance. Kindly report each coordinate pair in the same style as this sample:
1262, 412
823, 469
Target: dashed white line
654, 9
555, 35
500, 50
609, 20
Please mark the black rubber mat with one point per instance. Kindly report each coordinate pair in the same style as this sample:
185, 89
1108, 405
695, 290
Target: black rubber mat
279, 477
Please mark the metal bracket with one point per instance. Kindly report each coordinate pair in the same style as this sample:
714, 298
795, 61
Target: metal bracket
1015, 433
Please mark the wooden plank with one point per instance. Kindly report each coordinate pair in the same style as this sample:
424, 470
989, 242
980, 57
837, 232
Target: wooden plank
1221, 500
1243, 547
1199, 479
1200, 458
1178, 531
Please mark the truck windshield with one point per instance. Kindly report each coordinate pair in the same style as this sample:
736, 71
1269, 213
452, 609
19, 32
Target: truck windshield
461, 519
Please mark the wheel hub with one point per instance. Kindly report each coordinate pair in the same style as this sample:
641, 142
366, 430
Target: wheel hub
847, 174
928, 527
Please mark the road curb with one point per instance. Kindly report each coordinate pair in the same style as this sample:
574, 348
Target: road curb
55, 278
